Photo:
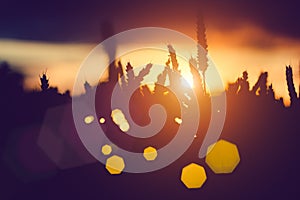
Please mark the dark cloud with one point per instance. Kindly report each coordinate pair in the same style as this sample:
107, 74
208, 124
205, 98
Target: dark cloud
71, 20
260, 43
277, 17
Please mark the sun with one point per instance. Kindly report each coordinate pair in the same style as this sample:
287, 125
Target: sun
187, 80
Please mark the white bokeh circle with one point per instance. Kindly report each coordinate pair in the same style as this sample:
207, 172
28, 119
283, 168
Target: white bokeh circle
92, 135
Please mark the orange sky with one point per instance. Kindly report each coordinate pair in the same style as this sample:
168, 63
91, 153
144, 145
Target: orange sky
246, 48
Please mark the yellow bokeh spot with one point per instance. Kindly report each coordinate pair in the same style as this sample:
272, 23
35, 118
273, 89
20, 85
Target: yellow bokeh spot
89, 119
178, 120
119, 119
166, 93
124, 126
102, 120
106, 149
222, 157
150, 153
117, 116
193, 176
115, 164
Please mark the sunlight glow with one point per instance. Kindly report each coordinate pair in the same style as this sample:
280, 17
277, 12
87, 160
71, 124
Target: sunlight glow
166, 93
230, 50
158, 58
187, 80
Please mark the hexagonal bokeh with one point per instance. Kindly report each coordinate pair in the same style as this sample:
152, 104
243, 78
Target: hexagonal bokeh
106, 149
115, 164
150, 153
222, 157
193, 176
59, 140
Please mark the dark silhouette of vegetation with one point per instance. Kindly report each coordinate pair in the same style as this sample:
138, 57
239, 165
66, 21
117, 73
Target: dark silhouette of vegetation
38, 139
44, 82
265, 131
202, 48
290, 84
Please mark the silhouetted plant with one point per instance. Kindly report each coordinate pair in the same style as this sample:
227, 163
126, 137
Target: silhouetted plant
202, 49
197, 80
233, 88
11, 81
173, 58
299, 82
244, 85
271, 92
129, 70
87, 87
260, 87
144, 72
290, 84
44, 82
115, 72
161, 79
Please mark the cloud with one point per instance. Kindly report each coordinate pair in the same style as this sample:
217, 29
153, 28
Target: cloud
54, 20
277, 17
